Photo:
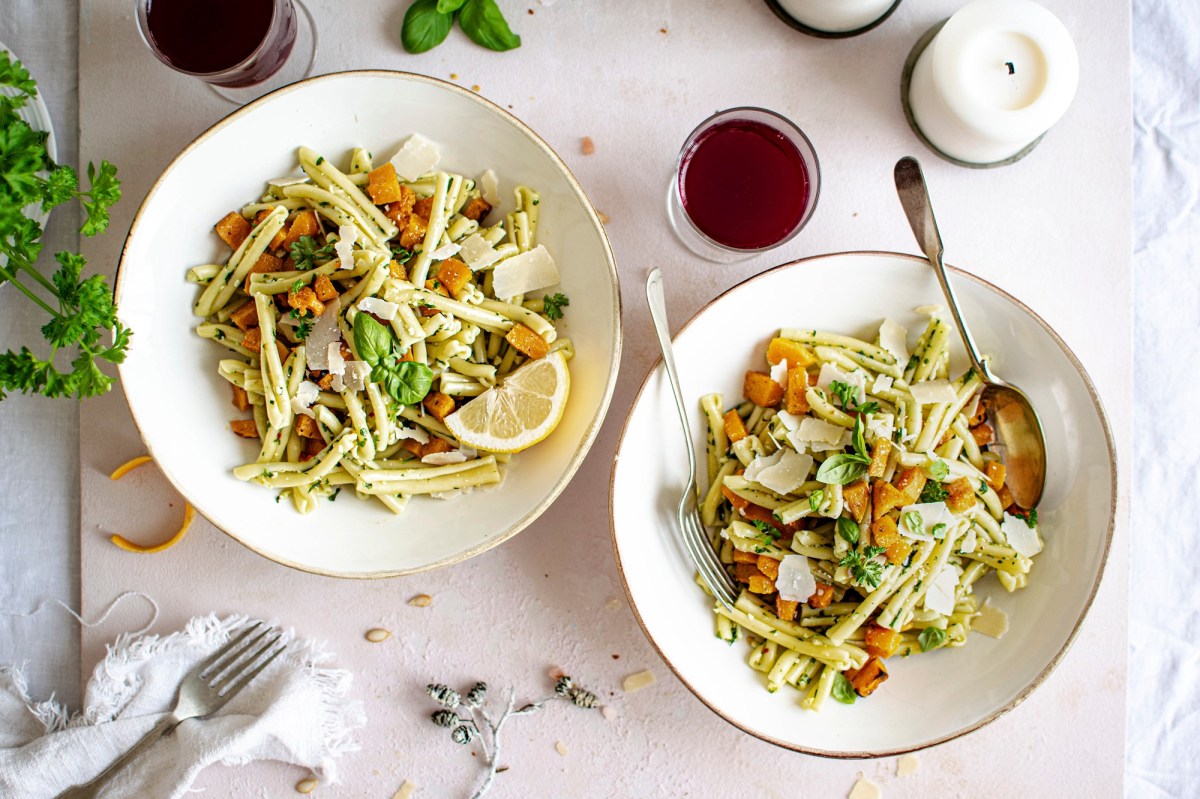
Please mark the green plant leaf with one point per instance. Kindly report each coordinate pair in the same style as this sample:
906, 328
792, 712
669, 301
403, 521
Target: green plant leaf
484, 23
848, 530
424, 26
372, 340
449, 6
407, 381
842, 469
931, 638
843, 691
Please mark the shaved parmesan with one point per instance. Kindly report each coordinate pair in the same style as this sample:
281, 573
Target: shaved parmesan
417, 157
907, 765
795, 582
445, 251
830, 373
347, 236
929, 310
443, 458
882, 383
381, 308
790, 421
865, 789
528, 271
760, 464
969, 542
892, 340
933, 391
932, 514
477, 252
779, 373
881, 425
990, 621
1021, 537
940, 596
306, 395
489, 188
786, 474
355, 375
289, 180
812, 429
336, 363
325, 331
972, 406
415, 433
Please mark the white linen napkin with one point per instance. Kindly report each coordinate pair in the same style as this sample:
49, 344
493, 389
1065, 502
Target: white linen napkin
294, 711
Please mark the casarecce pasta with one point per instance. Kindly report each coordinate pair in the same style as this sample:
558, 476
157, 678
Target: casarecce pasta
360, 309
858, 495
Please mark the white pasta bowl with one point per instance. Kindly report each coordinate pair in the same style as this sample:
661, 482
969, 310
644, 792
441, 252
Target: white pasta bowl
929, 698
182, 406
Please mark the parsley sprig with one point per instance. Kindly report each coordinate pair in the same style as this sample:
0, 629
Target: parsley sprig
306, 252
863, 567
847, 394
552, 305
83, 318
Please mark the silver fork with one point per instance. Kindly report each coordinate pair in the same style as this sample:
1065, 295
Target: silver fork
691, 528
203, 691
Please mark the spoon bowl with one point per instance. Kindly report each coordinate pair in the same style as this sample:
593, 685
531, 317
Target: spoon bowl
1016, 423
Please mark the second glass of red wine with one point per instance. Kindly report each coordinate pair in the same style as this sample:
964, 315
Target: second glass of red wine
746, 181
242, 48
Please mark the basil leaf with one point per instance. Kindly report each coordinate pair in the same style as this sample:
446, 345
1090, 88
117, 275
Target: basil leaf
939, 470
425, 27
842, 469
815, 499
449, 6
848, 530
843, 691
913, 521
931, 638
860, 444
484, 23
938, 531
372, 340
408, 381
983, 487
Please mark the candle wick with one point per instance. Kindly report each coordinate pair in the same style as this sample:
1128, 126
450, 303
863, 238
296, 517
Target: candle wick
1012, 69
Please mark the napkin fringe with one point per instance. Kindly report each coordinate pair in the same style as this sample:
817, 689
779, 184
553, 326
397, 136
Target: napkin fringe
50, 713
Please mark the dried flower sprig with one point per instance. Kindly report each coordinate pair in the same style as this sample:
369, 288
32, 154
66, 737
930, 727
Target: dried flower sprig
467, 728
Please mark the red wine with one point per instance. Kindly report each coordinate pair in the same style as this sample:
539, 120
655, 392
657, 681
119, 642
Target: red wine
214, 36
744, 184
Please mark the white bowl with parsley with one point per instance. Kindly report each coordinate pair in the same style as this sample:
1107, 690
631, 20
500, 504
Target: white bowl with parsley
182, 405
931, 697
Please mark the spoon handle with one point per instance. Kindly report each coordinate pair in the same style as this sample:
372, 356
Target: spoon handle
658, 312
914, 197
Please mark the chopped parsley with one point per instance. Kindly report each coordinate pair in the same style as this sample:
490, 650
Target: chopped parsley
553, 304
305, 253
939, 470
933, 492
401, 255
766, 529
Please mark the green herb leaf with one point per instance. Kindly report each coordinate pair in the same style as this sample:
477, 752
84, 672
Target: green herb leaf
449, 6
303, 329
913, 522
407, 381
842, 469
846, 393
939, 470
14, 75
938, 531
860, 444
862, 567
305, 253
401, 255
484, 23
843, 691
552, 305
103, 193
425, 27
815, 499
766, 529
983, 487
933, 492
848, 530
931, 638
372, 340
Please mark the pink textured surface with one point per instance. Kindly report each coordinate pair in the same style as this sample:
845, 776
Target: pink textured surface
547, 598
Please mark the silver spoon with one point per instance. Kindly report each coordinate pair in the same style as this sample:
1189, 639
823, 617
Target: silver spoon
1016, 423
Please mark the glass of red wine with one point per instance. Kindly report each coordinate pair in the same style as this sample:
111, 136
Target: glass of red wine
747, 180
242, 48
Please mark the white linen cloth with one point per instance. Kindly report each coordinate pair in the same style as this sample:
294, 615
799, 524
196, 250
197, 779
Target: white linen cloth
295, 711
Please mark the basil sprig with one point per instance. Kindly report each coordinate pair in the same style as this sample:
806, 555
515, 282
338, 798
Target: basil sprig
931, 638
848, 530
407, 381
843, 691
428, 22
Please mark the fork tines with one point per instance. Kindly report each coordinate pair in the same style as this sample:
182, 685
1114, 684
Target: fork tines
233, 666
707, 563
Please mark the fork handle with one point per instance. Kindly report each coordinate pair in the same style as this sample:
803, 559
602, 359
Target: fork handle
91, 789
658, 312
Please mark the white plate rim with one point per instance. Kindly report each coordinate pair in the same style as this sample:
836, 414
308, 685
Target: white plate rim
594, 426
1087, 606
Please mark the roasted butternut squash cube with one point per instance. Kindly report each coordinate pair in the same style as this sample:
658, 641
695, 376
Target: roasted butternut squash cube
325, 383
898, 551
881, 642
253, 339
435, 285
423, 208
768, 566
868, 678
382, 184
265, 264
439, 405
795, 353
324, 288
397, 270
760, 389
1005, 496
435, 445
910, 483
741, 556
979, 417
413, 232
476, 208
735, 429
785, 608
412, 446
454, 275
983, 434
304, 223
241, 400
306, 427
305, 299
761, 584
246, 316
399, 210
738, 503
885, 497
884, 532
821, 597
960, 495
527, 342
757, 513
312, 448
743, 571
879, 457
796, 396
233, 229
857, 497
244, 428
996, 474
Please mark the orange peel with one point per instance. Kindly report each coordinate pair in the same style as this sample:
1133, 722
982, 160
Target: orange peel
189, 513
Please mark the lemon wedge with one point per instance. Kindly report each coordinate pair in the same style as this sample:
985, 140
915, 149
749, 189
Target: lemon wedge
519, 412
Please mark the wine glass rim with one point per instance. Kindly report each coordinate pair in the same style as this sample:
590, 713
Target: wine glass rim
143, 10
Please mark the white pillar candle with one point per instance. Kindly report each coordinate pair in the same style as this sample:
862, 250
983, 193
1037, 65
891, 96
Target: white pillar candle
994, 79
836, 16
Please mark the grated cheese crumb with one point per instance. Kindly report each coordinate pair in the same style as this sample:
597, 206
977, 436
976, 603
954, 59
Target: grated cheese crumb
907, 765
561, 748
406, 791
609, 712
865, 789
636, 682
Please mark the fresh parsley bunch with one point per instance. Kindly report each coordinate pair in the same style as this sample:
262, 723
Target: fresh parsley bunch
428, 22
83, 319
